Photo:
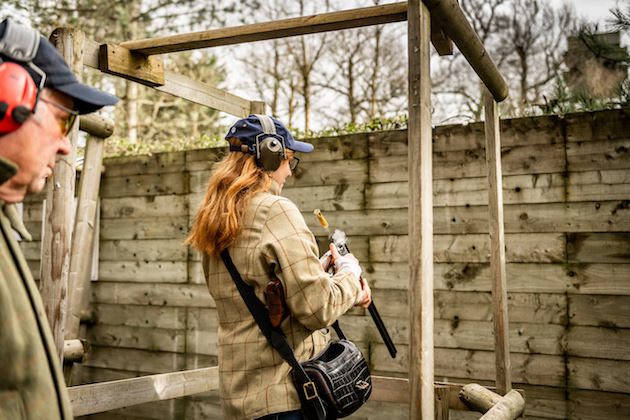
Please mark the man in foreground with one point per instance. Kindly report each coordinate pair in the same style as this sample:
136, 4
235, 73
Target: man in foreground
39, 101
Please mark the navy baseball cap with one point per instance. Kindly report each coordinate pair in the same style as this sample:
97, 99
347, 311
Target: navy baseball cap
248, 129
18, 44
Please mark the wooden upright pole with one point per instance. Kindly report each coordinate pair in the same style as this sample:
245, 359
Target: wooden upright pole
420, 215
87, 205
57, 236
497, 245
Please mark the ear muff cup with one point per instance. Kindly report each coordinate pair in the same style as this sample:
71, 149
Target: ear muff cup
271, 154
18, 95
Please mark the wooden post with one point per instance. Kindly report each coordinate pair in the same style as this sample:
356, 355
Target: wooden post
85, 220
497, 245
57, 236
258, 107
442, 402
421, 371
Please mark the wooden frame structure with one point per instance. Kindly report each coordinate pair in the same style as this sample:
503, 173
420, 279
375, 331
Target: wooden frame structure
65, 264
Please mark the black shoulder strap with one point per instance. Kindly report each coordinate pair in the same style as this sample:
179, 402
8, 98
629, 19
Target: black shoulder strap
276, 338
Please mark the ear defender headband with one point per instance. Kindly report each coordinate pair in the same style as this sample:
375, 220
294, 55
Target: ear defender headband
18, 92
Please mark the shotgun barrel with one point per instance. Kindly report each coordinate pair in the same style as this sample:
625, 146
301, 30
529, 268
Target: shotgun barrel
339, 239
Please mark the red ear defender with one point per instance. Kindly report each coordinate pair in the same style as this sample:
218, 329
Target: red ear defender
18, 94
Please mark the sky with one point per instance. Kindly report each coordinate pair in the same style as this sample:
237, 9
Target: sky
595, 10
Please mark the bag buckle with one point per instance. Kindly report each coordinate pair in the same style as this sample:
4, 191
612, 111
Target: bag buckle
362, 384
310, 391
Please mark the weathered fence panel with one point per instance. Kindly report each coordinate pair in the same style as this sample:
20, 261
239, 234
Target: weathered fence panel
566, 189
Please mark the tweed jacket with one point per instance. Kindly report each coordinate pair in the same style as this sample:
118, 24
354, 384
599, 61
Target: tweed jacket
254, 380
31, 381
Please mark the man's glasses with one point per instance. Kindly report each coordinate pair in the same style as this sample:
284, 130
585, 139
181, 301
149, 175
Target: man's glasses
67, 122
294, 163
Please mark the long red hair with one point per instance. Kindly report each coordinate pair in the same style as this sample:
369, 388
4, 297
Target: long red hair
233, 182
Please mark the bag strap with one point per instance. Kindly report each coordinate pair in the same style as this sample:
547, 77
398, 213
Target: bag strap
276, 338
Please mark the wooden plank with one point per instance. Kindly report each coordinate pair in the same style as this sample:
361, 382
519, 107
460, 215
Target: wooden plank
151, 294
599, 247
145, 185
600, 311
456, 307
598, 374
474, 248
591, 156
517, 160
159, 163
88, 399
57, 238
517, 189
456, 333
329, 173
272, 30
143, 250
131, 65
593, 405
474, 365
599, 342
143, 271
185, 87
144, 207
420, 358
153, 228
204, 159
123, 336
599, 279
328, 197
140, 316
142, 362
598, 185
597, 126
442, 43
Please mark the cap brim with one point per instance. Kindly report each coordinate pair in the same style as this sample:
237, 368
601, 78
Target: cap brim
86, 98
300, 146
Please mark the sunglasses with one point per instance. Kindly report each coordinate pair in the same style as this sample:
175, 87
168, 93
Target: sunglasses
65, 123
294, 163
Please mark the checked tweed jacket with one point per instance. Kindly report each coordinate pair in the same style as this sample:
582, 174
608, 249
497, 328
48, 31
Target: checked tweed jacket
254, 380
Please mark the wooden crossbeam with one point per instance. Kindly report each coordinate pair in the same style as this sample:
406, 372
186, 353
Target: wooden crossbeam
184, 87
131, 65
111, 395
375, 15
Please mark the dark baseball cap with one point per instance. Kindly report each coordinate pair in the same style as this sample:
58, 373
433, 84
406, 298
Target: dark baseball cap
248, 129
58, 74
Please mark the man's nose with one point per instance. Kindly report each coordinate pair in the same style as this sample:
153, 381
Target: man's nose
65, 147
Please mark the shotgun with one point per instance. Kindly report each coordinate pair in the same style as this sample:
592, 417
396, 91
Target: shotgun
339, 239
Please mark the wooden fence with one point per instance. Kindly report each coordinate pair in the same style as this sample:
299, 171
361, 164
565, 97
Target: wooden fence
566, 192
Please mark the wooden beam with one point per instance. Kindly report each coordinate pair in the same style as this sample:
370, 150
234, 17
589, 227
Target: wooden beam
441, 41
76, 351
184, 87
420, 145
510, 407
388, 13
454, 22
258, 108
100, 397
478, 398
56, 240
96, 125
131, 65
497, 245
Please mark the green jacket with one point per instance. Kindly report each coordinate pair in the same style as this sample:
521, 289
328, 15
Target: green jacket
31, 379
